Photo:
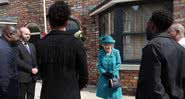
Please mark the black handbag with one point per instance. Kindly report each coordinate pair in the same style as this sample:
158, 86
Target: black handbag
115, 83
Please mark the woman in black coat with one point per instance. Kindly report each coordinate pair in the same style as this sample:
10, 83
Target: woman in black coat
61, 58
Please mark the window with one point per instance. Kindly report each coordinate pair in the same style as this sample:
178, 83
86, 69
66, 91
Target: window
135, 19
107, 23
132, 47
3, 2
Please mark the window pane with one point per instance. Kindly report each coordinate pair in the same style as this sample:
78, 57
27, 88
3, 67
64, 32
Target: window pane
107, 23
2, 2
104, 24
133, 45
135, 20
112, 22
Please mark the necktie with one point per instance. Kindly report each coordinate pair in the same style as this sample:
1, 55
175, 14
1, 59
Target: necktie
27, 47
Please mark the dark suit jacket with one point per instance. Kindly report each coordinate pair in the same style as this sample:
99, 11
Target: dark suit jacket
9, 88
162, 69
26, 62
63, 65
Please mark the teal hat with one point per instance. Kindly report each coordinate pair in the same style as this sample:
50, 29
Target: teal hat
107, 39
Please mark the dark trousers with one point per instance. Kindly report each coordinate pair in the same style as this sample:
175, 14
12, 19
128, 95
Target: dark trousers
27, 90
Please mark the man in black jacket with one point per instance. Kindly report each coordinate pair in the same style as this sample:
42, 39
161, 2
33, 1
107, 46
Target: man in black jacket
61, 57
9, 87
27, 66
162, 67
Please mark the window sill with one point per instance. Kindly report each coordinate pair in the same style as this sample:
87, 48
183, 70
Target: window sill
130, 67
4, 2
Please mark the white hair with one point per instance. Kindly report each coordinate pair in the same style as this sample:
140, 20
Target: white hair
178, 28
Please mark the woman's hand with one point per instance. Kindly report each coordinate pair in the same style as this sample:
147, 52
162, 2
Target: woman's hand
108, 75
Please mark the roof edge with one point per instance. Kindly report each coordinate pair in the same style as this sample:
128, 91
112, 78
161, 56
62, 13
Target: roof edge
105, 5
4, 2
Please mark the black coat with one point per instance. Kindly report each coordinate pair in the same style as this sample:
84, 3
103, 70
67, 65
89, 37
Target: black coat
9, 87
63, 66
162, 69
26, 62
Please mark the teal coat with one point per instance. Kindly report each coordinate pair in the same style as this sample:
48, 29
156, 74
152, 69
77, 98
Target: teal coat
110, 63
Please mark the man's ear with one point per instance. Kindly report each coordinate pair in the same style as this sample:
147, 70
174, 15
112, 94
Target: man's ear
7, 36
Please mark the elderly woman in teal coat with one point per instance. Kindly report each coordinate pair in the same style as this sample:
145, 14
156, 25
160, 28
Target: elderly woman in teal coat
109, 63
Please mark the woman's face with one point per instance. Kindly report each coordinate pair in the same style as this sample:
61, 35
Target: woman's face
107, 47
173, 34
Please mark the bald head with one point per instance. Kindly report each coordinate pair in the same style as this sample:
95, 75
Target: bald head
24, 29
9, 29
11, 34
25, 34
177, 31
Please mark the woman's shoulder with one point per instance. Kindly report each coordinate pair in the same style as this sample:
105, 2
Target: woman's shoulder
115, 50
101, 51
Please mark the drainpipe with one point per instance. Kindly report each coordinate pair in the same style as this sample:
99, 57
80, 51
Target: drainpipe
45, 23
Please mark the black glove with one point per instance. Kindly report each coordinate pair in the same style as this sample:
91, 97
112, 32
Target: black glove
108, 75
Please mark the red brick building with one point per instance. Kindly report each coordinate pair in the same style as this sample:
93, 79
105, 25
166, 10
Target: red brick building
126, 20
97, 16
31, 13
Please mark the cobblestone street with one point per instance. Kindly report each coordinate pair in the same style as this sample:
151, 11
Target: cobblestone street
87, 93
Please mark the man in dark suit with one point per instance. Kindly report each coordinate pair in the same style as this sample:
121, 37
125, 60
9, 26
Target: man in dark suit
26, 65
9, 88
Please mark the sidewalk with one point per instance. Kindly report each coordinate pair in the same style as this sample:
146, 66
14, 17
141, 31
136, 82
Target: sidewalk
87, 93
90, 93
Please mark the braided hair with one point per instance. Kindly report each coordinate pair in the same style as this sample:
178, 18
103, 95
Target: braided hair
58, 14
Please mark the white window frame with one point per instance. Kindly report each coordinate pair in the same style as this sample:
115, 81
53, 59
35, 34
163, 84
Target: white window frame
14, 23
2, 2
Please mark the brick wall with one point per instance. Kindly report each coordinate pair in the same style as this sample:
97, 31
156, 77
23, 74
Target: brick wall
179, 11
129, 79
29, 11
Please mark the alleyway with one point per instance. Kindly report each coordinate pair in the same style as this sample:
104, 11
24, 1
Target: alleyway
87, 93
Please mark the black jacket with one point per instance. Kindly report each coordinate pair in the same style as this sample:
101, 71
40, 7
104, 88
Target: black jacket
162, 69
26, 62
9, 87
63, 65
